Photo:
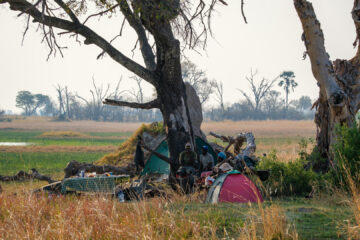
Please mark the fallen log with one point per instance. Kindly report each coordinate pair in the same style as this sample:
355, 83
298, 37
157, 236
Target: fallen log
22, 176
73, 168
238, 141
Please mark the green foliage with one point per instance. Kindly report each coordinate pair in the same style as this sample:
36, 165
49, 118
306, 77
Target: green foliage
347, 153
30, 103
287, 178
312, 160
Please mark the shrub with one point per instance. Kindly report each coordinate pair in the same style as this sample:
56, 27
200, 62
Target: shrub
347, 153
287, 178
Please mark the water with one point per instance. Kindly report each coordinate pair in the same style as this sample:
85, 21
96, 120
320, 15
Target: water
15, 144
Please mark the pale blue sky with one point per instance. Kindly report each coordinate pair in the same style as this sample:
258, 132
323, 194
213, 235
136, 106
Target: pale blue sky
270, 42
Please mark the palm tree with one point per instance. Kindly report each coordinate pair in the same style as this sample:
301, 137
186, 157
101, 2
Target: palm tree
287, 81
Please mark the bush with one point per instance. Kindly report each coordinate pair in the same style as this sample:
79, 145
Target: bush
347, 153
287, 178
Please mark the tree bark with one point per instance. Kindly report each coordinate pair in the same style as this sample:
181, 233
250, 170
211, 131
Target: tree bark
169, 85
338, 82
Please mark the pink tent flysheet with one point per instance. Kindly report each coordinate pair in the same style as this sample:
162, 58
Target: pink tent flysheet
239, 188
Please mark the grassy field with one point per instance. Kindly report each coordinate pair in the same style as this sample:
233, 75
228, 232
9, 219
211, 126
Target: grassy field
324, 217
50, 163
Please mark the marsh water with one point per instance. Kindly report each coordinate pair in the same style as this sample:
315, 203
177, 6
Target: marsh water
15, 144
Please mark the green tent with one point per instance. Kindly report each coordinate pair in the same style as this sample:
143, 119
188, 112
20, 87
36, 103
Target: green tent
156, 165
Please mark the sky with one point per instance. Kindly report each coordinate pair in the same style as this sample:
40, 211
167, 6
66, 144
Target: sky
270, 42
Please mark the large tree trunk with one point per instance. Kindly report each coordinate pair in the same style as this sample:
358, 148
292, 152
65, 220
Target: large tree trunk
169, 85
338, 82
173, 103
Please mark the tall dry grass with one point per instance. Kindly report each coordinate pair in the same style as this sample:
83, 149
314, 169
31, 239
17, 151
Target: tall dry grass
353, 229
27, 216
267, 128
30, 217
271, 223
63, 134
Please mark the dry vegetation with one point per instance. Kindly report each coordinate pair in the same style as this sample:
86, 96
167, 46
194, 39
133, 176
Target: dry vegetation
271, 128
263, 129
63, 134
25, 216
353, 228
124, 154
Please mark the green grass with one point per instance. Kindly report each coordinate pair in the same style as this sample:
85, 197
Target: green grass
102, 139
312, 220
46, 163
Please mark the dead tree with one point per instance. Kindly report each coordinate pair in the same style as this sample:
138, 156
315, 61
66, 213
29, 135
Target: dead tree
138, 95
238, 142
259, 91
219, 97
94, 105
339, 81
67, 102
60, 97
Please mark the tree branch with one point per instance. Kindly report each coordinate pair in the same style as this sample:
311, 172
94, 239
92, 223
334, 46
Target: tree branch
135, 23
68, 11
149, 105
159, 155
320, 61
90, 36
242, 11
100, 13
356, 17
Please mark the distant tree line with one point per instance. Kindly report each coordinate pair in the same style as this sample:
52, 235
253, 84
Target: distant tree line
69, 105
259, 102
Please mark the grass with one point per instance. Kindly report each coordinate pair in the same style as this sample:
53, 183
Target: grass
25, 216
51, 163
47, 139
312, 219
63, 134
38, 217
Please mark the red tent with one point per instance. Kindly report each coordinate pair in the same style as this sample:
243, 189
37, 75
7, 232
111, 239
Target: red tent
233, 187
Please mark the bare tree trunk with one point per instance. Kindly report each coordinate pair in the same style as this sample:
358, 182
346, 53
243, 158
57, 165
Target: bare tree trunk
67, 102
338, 81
